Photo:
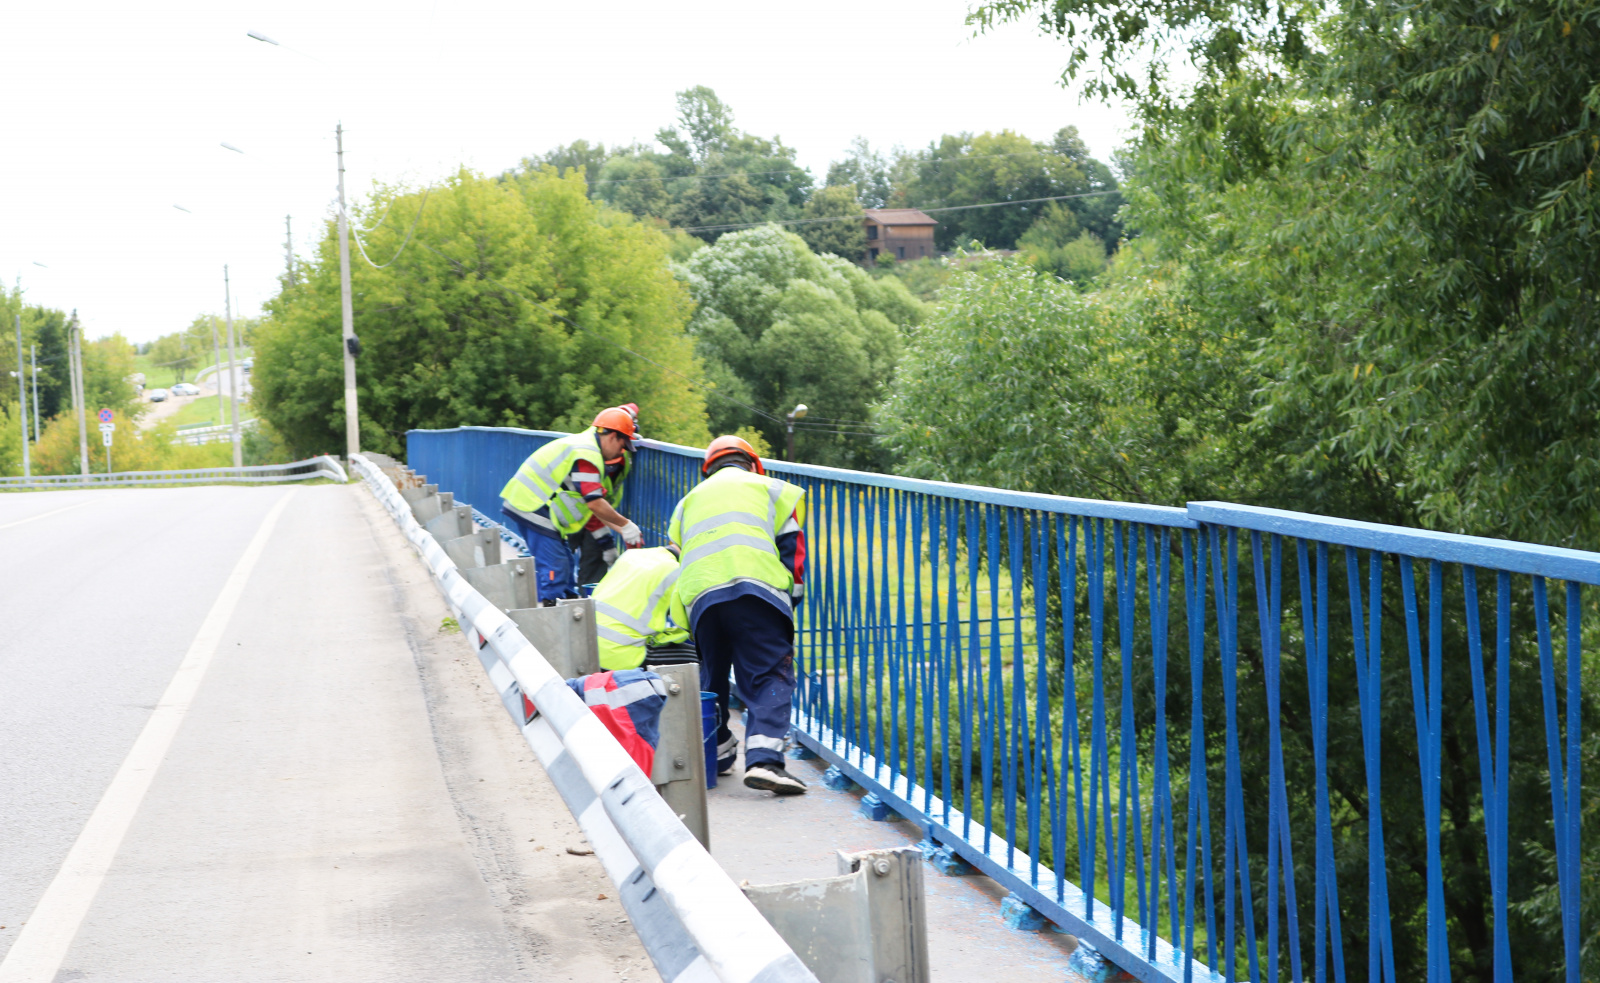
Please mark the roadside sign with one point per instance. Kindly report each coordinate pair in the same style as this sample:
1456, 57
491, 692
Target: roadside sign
106, 416
107, 427
105, 437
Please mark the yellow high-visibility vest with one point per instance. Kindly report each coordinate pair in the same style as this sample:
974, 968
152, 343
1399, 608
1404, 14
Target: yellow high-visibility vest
728, 527
637, 605
539, 481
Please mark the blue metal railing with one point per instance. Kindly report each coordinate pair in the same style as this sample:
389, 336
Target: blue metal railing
999, 667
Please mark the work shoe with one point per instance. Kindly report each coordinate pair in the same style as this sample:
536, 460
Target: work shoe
773, 778
727, 755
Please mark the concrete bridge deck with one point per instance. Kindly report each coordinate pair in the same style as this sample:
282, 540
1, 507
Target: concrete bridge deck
341, 796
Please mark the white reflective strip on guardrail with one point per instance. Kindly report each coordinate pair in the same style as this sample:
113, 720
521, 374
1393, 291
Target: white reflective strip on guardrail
586, 762
314, 467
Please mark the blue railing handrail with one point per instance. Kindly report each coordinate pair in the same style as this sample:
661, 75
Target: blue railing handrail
1501, 554
1155, 515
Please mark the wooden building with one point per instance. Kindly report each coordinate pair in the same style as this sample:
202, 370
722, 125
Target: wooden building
903, 233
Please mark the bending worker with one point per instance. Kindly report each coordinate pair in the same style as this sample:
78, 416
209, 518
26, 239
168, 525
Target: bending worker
556, 491
637, 612
595, 544
742, 575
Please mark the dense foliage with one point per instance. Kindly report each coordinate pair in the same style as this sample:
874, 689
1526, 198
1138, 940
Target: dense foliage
107, 364
777, 325
708, 173
515, 303
1365, 286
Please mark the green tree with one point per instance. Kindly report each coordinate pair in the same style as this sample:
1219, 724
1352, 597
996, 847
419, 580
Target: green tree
779, 325
844, 236
516, 303
964, 169
1056, 243
710, 173
866, 170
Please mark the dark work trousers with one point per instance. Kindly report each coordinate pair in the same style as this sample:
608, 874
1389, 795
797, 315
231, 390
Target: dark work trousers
756, 641
592, 549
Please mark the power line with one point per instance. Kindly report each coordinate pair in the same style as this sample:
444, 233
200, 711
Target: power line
363, 249
858, 217
936, 162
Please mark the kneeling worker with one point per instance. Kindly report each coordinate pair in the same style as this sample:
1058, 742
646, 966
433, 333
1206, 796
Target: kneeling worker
637, 610
556, 491
742, 574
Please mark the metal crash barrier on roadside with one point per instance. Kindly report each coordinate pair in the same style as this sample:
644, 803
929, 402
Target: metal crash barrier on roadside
694, 922
307, 470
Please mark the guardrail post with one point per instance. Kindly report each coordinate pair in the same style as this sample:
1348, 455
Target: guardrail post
866, 925
563, 634
479, 549
680, 766
507, 586
450, 523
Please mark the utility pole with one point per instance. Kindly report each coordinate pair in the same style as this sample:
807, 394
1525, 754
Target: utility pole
216, 359
22, 398
33, 356
352, 426
233, 369
288, 249
75, 352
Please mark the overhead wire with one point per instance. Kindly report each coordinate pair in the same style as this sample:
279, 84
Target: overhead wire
937, 162
860, 215
562, 317
361, 247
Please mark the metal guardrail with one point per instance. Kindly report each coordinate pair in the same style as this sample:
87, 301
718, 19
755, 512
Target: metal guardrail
694, 921
1006, 670
315, 467
195, 436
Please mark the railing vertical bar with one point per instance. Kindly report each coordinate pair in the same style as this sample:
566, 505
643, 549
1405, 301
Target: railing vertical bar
853, 736
1572, 884
923, 656
972, 716
994, 733
1016, 747
1099, 787
1071, 744
950, 649
1038, 543
1486, 764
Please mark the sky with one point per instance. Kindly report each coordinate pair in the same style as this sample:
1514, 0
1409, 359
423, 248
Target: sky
117, 112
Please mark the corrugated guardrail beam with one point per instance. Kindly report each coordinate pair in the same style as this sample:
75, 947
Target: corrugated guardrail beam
613, 800
314, 467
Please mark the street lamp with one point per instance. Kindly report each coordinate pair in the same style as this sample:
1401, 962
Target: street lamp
798, 413
352, 346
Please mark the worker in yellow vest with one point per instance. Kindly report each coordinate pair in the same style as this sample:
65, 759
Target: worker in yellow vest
595, 543
558, 489
637, 611
741, 575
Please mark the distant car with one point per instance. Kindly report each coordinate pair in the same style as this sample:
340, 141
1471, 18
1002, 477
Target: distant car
157, 395
248, 364
185, 389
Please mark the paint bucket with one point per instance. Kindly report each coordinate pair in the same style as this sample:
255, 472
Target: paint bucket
708, 722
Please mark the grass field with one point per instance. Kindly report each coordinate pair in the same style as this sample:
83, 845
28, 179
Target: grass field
203, 409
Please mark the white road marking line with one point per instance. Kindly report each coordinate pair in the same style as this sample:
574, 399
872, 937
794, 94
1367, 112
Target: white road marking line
43, 515
42, 944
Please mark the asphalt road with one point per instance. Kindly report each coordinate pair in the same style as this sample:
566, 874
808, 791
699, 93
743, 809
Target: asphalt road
343, 798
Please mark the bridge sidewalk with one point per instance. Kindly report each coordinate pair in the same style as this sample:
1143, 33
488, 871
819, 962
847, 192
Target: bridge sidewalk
766, 840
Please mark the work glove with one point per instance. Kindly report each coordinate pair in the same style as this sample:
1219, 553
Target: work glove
632, 535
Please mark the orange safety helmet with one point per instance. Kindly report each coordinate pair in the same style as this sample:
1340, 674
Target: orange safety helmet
616, 418
723, 446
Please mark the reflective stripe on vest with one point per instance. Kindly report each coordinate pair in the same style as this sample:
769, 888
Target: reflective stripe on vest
727, 526
634, 606
539, 482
